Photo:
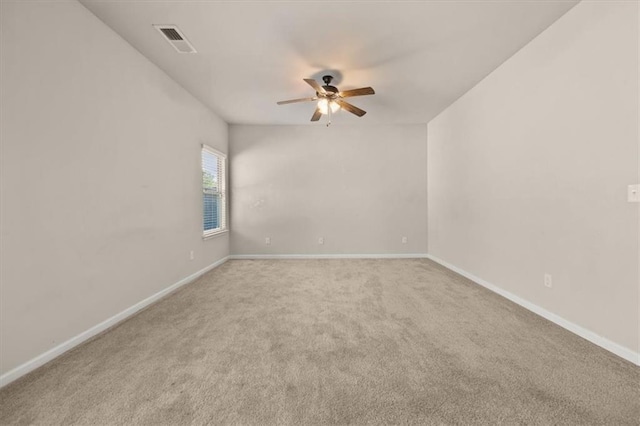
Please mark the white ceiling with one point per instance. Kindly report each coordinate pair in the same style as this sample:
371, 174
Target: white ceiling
418, 56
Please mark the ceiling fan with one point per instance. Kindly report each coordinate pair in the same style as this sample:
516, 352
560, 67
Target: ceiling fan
330, 99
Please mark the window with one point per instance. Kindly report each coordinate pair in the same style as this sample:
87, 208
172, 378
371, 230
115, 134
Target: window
214, 202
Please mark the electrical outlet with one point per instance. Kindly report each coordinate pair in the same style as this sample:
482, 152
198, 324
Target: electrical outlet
191, 255
321, 240
267, 240
404, 240
548, 282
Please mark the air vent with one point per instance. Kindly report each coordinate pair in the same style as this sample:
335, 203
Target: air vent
171, 34
174, 36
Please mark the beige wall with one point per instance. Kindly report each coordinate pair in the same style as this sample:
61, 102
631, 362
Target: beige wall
100, 177
528, 173
361, 187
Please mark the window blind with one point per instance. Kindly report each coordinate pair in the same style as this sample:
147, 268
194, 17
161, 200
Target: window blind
213, 191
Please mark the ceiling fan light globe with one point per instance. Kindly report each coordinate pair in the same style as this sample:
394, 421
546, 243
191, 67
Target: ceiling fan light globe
324, 105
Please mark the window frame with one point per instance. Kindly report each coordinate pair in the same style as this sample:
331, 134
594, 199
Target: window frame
222, 191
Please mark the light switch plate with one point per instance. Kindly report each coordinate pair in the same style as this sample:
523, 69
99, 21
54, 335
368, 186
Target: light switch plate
633, 193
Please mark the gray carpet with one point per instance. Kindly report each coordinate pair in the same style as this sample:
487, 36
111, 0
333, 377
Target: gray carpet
330, 342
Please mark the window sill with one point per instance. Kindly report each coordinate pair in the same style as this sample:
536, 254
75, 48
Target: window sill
214, 234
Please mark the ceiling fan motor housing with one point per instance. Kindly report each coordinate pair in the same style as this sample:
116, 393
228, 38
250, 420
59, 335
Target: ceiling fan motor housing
331, 90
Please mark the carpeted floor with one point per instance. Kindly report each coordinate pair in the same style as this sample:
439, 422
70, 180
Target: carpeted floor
330, 342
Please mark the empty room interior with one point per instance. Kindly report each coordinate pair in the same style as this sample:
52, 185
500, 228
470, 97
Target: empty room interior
319, 213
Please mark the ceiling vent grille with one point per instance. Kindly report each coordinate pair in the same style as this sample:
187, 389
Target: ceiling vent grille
175, 38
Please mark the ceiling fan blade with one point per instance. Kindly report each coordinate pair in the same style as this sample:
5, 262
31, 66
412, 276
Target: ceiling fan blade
357, 92
311, 82
316, 115
297, 100
351, 108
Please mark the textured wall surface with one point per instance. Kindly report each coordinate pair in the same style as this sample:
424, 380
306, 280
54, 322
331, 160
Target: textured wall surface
528, 173
101, 179
362, 188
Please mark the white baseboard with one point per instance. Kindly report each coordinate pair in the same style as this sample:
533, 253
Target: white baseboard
330, 256
42, 359
621, 351
49, 355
